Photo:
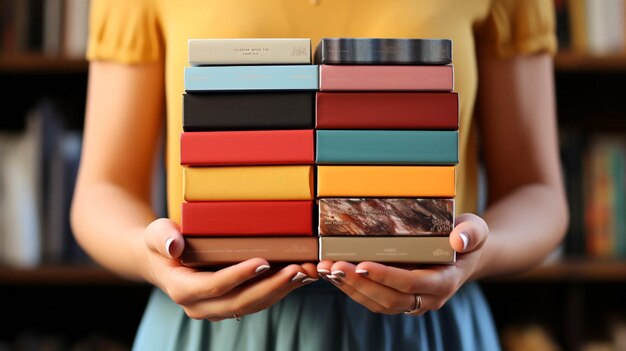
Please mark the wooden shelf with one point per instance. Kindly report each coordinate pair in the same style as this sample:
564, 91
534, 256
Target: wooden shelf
568, 61
573, 271
40, 64
60, 275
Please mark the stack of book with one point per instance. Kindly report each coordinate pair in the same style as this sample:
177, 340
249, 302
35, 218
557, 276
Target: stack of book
386, 149
248, 151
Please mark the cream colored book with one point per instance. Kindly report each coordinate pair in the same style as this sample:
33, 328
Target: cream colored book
262, 51
419, 250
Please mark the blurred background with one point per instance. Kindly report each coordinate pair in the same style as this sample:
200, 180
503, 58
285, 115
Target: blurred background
54, 298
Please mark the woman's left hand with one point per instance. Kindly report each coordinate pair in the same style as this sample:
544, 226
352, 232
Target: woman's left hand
391, 290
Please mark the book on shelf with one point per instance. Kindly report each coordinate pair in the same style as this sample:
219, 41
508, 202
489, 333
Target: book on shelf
21, 194
591, 26
37, 177
605, 196
51, 27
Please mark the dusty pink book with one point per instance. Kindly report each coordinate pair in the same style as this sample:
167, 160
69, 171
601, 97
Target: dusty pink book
399, 78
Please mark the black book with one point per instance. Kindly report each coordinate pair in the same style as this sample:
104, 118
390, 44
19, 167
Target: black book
248, 111
378, 51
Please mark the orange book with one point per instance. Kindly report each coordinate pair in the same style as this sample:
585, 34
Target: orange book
386, 181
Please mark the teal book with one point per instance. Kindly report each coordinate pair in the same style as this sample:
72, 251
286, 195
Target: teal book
618, 169
419, 147
237, 78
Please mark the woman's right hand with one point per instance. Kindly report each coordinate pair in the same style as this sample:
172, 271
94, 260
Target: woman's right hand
222, 294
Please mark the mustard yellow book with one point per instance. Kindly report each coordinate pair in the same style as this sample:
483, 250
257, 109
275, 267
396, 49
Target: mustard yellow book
248, 183
385, 181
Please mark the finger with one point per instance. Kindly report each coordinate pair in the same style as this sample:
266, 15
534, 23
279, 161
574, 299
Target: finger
428, 303
193, 285
324, 267
469, 233
430, 280
310, 269
251, 298
163, 236
392, 301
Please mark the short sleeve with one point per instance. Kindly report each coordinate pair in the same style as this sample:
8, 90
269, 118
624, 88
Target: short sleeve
124, 31
520, 27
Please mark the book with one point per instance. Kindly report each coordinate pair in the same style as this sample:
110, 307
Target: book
249, 110
385, 216
76, 28
237, 78
376, 78
242, 51
232, 183
21, 194
247, 147
425, 147
396, 51
247, 218
387, 110
385, 181
52, 27
202, 251
419, 249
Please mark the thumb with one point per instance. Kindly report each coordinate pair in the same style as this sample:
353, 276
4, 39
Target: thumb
469, 234
163, 236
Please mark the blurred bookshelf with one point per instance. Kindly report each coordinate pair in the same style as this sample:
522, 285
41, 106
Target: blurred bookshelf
575, 301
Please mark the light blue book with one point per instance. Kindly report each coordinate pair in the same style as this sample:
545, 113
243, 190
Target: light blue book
235, 78
420, 147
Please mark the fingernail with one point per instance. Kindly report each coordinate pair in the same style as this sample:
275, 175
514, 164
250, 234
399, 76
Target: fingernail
308, 280
298, 277
334, 279
340, 274
363, 272
262, 268
465, 239
168, 247
323, 273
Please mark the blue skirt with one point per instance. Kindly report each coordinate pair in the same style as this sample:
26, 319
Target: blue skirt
320, 317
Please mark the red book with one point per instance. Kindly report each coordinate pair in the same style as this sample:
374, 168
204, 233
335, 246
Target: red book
247, 147
382, 110
248, 218
377, 78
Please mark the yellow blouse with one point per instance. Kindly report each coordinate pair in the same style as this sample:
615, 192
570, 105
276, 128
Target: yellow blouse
135, 31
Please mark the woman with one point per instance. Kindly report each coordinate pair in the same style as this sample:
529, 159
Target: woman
138, 50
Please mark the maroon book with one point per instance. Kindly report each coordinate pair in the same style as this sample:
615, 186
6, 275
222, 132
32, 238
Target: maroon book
387, 110
247, 218
203, 251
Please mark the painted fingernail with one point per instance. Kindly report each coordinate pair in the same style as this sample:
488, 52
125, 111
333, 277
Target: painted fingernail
335, 279
262, 268
308, 280
168, 247
323, 273
363, 272
465, 239
339, 273
298, 277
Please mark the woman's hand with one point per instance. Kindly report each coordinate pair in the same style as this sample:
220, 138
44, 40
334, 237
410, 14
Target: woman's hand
391, 290
222, 294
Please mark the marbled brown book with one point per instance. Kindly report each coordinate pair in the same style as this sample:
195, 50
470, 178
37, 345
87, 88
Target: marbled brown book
385, 216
